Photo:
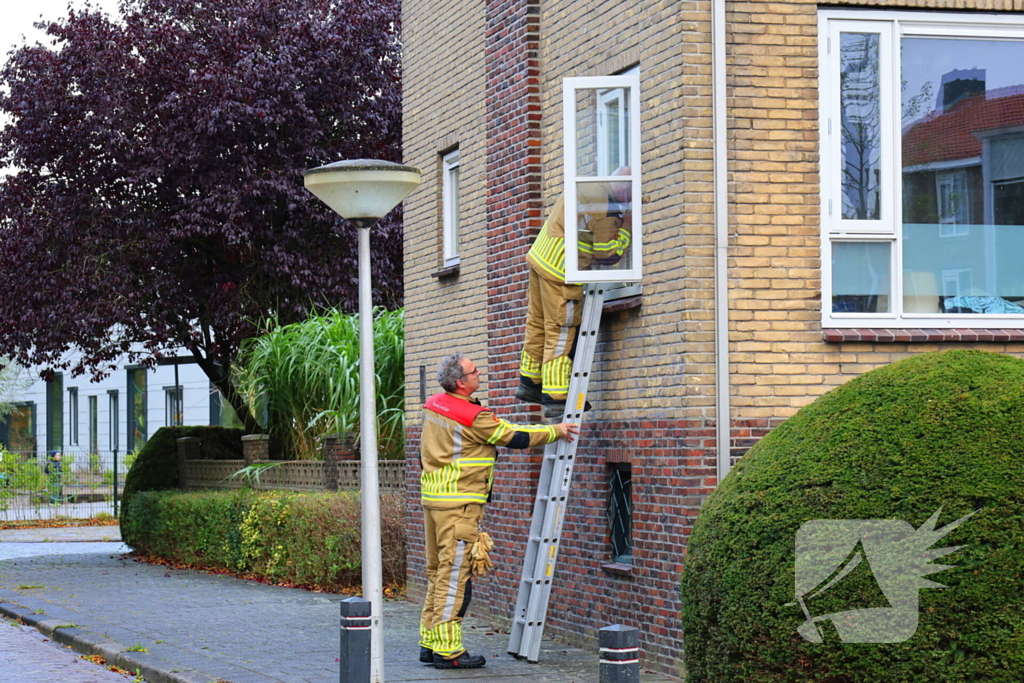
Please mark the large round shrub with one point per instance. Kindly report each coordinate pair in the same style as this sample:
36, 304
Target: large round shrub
156, 466
937, 431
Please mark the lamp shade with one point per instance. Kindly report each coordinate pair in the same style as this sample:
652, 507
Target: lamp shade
362, 190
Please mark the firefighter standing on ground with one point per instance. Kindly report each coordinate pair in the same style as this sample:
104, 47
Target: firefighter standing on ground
459, 441
555, 308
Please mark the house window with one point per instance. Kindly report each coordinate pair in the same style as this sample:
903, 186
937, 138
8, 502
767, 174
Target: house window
173, 401
221, 412
55, 413
450, 207
94, 424
73, 415
922, 169
18, 429
952, 205
113, 410
620, 512
136, 408
602, 178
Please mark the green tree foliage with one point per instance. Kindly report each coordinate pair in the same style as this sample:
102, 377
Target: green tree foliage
307, 376
936, 431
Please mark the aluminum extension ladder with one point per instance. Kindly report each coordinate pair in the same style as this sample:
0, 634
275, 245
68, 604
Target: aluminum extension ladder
552, 491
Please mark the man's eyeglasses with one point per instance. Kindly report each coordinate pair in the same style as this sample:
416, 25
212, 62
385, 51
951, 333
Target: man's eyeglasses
475, 372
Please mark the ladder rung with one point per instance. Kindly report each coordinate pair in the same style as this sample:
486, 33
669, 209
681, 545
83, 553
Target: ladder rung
556, 471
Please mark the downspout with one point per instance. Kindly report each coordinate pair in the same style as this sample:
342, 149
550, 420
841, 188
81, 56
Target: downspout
721, 217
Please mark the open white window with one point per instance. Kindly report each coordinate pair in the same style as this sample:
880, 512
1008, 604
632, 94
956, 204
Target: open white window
922, 120
603, 223
450, 207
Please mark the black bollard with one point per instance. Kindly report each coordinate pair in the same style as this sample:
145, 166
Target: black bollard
355, 640
620, 654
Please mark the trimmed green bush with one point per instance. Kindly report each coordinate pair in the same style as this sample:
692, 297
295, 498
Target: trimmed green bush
936, 431
304, 539
156, 466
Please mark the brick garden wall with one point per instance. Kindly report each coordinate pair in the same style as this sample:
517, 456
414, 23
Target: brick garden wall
488, 78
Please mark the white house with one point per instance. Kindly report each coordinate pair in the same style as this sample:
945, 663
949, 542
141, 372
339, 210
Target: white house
116, 414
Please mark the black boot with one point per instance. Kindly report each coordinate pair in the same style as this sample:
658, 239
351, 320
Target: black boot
463, 661
426, 655
557, 408
529, 394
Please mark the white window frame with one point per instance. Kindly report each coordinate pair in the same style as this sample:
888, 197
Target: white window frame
955, 223
450, 208
892, 26
570, 86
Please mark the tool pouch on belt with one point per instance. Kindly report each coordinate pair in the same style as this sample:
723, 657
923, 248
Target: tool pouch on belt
480, 560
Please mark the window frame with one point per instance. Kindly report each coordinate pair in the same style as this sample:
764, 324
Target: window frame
619, 512
113, 408
450, 208
631, 80
174, 405
893, 26
94, 423
73, 416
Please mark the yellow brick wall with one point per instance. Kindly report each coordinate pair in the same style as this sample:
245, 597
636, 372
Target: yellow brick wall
656, 360
779, 362
443, 108
659, 359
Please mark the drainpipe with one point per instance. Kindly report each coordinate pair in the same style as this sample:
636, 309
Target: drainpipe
720, 161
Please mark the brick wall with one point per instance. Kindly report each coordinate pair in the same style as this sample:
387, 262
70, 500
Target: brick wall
443, 108
488, 77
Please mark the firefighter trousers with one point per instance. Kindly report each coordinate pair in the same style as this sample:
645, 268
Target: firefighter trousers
450, 535
553, 316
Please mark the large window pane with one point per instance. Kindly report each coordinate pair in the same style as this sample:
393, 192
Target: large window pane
861, 277
861, 125
602, 130
55, 413
963, 174
604, 216
136, 408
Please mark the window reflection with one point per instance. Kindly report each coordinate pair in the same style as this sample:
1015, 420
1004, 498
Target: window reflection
963, 176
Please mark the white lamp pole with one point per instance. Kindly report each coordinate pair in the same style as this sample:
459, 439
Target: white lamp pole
363, 191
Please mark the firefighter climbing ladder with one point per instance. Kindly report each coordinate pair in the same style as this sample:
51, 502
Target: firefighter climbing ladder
552, 492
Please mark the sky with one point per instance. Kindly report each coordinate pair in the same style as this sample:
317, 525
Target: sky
17, 17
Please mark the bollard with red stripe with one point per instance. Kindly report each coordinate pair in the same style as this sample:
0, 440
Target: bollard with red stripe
355, 640
620, 654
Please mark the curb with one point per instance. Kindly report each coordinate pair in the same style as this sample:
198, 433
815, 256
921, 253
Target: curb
86, 643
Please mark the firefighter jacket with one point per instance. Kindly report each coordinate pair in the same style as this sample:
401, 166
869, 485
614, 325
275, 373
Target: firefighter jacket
603, 238
458, 446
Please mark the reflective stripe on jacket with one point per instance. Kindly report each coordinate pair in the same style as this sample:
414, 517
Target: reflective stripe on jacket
603, 240
458, 446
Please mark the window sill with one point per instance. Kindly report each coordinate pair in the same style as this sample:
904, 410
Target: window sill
618, 569
623, 304
446, 272
896, 336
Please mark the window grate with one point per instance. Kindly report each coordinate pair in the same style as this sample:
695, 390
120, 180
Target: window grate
620, 512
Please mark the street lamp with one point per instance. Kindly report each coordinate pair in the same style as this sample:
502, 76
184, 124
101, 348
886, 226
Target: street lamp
363, 191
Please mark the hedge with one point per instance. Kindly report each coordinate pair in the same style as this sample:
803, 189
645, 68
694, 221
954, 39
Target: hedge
937, 433
302, 539
156, 466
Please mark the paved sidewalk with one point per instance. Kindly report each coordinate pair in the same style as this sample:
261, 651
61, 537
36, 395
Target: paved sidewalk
201, 628
26, 657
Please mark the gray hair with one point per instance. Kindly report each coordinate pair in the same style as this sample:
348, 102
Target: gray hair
450, 371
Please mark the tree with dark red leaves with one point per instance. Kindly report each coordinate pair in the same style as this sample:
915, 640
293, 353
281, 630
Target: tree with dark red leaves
155, 199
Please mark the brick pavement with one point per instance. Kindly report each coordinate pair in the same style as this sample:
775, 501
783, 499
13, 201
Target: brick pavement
26, 657
199, 627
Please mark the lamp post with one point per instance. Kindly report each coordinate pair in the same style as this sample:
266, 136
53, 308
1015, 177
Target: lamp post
363, 191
